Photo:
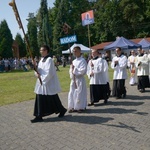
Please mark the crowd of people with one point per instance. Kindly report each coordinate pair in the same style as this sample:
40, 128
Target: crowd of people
9, 64
47, 99
139, 67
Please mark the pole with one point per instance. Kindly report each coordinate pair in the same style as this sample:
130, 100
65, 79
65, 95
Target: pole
14, 7
89, 38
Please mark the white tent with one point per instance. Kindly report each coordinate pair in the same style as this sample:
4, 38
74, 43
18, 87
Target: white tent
84, 49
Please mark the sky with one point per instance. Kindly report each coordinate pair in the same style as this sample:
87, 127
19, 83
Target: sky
24, 8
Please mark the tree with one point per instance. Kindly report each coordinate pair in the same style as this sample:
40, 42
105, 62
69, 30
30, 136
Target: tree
61, 16
135, 15
21, 45
6, 40
44, 30
69, 11
32, 34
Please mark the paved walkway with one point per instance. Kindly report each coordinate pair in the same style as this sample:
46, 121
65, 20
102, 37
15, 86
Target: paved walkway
122, 124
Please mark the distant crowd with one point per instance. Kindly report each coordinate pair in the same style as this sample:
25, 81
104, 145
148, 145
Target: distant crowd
8, 64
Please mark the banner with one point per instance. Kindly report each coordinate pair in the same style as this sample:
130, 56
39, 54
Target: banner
87, 18
69, 39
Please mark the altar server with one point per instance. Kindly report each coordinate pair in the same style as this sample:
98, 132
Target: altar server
96, 72
47, 100
119, 65
77, 97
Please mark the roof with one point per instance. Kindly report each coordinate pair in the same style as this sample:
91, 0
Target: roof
102, 45
139, 39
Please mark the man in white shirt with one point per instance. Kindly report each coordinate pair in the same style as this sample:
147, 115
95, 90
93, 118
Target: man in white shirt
47, 100
77, 97
119, 64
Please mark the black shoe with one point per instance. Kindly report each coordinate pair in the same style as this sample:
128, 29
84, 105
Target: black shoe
36, 119
90, 104
71, 111
124, 95
118, 97
142, 90
105, 101
62, 113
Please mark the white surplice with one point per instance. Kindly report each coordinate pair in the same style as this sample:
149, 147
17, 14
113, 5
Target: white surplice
143, 68
77, 96
50, 84
149, 64
99, 69
120, 71
132, 68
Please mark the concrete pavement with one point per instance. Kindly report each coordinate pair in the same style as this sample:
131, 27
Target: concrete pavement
122, 124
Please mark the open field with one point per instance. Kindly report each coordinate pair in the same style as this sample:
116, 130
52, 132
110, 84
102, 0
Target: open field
18, 86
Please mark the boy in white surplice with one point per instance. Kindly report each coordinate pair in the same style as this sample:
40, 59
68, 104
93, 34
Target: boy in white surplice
77, 97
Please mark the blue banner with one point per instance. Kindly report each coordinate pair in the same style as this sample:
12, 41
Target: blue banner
69, 39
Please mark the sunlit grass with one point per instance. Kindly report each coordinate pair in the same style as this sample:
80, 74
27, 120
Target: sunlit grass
18, 86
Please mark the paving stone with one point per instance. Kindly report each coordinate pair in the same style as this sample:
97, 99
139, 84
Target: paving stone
122, 124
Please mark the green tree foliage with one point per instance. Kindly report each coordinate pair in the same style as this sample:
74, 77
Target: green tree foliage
69, 11
21, 44
32, 34
6, 40
128, 18
135, 17
44, 30
61, 16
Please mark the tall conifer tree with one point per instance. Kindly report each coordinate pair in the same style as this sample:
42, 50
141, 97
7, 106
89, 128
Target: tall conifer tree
6, 40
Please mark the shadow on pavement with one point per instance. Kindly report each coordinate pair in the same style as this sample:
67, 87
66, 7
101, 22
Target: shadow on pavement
122, 125
120, 103
80, 119
137, 97
116, 111
111, 110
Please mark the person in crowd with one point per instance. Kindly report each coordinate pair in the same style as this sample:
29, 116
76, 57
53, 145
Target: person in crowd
7, 64
142, 70
47, 100
63, 59
23, 64
106, 74
77, 96
16, 64
96, 71
56, 63
106, 57
119, 65
132, 68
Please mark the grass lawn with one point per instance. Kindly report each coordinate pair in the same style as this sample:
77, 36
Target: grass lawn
18, 86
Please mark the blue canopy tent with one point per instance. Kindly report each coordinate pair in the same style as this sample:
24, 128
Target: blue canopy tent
123, 43
145, 44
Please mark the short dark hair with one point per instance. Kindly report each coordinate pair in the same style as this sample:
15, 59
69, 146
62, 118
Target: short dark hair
46, 47
119, 48
77, 47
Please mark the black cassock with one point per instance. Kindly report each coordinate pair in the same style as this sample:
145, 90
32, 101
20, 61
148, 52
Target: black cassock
118, 88
98, 92
47, 104
143, 82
